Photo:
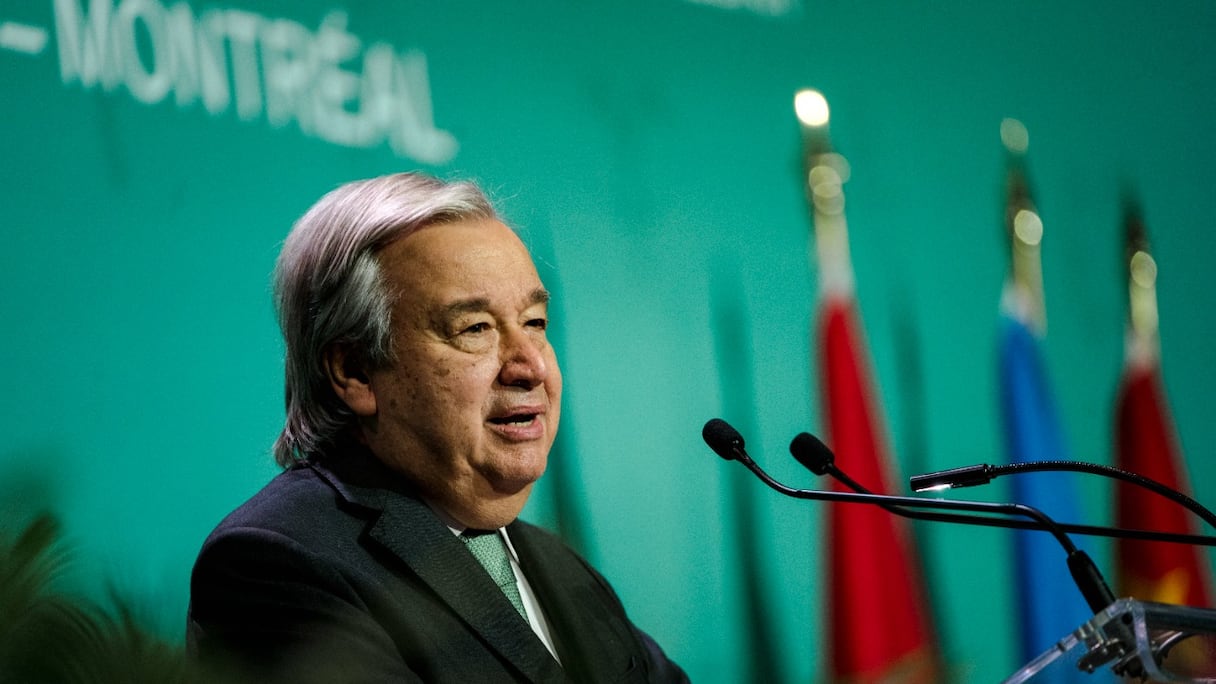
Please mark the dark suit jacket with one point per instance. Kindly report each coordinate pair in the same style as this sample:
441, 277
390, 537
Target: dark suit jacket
337, 573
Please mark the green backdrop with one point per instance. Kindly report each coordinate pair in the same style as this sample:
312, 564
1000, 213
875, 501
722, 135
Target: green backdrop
154, 154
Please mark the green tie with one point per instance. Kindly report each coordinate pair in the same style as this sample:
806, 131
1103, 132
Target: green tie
491, 552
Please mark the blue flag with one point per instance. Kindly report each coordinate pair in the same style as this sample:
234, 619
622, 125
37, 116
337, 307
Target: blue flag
1049, 604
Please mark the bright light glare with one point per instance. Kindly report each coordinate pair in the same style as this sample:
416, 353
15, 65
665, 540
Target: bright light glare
1014, 136
1143, 269
1028, 227
811, 107
824, 176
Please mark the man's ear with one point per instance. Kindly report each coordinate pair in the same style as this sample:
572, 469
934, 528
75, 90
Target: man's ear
349, 377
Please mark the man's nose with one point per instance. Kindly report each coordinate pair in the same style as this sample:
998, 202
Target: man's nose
524, 363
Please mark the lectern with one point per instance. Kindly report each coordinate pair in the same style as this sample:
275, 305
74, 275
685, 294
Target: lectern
1151, 642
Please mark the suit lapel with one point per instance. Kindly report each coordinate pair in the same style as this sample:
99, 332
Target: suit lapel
411, 531
587, 622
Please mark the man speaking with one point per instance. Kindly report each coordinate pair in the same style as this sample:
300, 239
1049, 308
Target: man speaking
423, 397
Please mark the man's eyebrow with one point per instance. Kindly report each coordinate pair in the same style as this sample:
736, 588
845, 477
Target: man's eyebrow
539, 296
464, 306
476, 304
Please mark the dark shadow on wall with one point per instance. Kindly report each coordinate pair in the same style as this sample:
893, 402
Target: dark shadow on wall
733, 351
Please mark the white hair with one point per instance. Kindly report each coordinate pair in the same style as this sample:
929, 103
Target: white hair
328, 290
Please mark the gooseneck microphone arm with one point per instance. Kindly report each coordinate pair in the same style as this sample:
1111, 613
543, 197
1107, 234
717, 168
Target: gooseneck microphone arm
728, 443
816, 457
819, 459
983, 473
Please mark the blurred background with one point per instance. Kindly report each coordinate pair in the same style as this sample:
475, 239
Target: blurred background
155, 154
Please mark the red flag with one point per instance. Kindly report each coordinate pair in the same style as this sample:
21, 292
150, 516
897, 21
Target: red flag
878, 622
879, 628
1165, 573
1146, 445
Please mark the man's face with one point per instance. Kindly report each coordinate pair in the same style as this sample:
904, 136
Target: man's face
469, 406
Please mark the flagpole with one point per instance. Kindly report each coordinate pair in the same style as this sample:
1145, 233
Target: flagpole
1146, 443
1045, 600
1143, 341
824, 174
879, 621
1024, 297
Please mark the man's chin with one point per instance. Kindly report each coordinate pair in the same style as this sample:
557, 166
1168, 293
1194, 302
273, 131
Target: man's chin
509, 492
510, 476
498, 510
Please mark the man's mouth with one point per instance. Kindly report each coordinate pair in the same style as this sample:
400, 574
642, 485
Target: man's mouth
514, 419
518, 423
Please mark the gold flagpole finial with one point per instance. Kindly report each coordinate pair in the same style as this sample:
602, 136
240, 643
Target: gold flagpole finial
1024, 228
1141, 284
825, 173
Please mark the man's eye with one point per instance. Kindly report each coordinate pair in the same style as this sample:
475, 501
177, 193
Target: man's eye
540, 323
477, 328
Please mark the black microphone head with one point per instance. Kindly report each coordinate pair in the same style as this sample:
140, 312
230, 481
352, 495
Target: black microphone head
813, 454
722, 438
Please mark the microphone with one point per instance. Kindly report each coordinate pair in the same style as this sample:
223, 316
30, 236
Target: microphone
813, 454
816, 457
983, 473
724, 439
728, 443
